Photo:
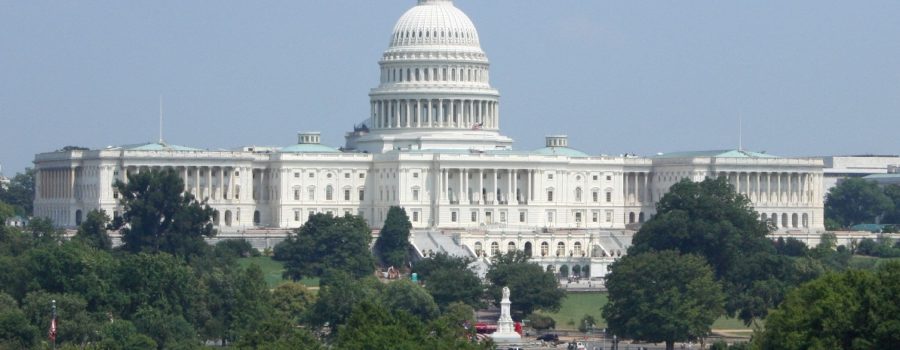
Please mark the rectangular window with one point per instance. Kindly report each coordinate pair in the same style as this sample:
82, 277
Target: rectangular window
549, 196
415, 217
474, 216
609, 216
296, 195
521, 216
596, 217
608, 177
416, 175
596, 177
346, 175
296, 174
608, 197
453, 216
415, 195
502, 216
312, 194
362, 195
596, 196
296, 215
549, 176
362, 176
549, 216
312, 175
346, 195
312, 212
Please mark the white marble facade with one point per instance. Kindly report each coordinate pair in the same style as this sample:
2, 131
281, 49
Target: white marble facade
432, 145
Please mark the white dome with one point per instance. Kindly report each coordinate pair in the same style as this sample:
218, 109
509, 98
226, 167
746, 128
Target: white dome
435, 22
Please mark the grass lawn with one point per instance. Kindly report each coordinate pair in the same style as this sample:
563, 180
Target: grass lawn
272, 271
576, 305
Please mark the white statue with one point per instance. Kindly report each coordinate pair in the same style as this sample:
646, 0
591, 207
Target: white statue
505, 293
506, 330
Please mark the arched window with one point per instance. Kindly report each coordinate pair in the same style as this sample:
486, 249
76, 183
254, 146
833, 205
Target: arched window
495, 248
528, 249
329, 193
577, 247
560, 249
795, 220
578, 193
805, 220
228, 218
774, 219
78, 217
256, 217
784, 220
511, 247
545, 248
478, 249
763, 217
631, 218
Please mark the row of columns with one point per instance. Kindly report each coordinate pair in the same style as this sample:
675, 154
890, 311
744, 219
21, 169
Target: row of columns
777, 187
228, 186
435, 113
56, 183
636, 186
466, 193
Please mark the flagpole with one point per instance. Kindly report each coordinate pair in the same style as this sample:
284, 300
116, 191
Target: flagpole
53, 330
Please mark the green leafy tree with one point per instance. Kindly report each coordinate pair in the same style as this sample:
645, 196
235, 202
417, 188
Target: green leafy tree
711, 220
123, 335
93, 230
854, 309
75, 323
278, 333
73, 267
159, 282
339, 294
168, 331
532, 287
857, 201
292, 300
449, 279
327, 242
409, 297
893, 192
393, 241
662, 297
43, 231
6, 212
16, 332
160, 216
20, 193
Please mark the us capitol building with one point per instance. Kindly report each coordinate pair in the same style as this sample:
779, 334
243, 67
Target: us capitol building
432, 144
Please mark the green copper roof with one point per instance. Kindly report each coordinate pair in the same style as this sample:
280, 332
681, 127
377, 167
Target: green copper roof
716, 154
308, 148
561, 151
156, 146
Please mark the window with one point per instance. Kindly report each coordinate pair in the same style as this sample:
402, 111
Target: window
296, 174
511, 247
296, 215
297, 194
328, 176
596, 177
560, 249
415, 194
595, 217
596, 196
521, 216
312, 193
453, 216
312, 175
502, 216
549, 216
415, 217
346, 195
362, 176
549, 176
416, 175
550, 195
577, 246
545, 248
578, 194
478, 249
237, 173
346, 175
608, 177
329, 193
495, 248
474, 216
312, 212
362, 195
608, 197
609, 215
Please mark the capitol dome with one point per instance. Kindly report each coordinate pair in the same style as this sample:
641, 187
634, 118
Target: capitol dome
434, 22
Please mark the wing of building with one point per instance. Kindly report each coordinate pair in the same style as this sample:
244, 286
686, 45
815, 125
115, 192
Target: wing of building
432, 144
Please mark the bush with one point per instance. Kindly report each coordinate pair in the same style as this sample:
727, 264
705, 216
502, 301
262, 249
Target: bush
564, 271
541, 322
238, 248
587, 323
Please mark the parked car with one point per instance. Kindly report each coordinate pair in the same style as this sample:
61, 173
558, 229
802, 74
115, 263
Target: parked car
549, 337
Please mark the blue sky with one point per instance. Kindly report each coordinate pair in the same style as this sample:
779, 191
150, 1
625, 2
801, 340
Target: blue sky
806, 77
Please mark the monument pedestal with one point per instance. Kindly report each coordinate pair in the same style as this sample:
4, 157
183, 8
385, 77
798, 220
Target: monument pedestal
506, 330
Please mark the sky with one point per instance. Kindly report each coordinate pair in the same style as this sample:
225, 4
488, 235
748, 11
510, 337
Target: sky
795, 78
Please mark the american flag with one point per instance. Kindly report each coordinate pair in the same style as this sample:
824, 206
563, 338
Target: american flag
52, 333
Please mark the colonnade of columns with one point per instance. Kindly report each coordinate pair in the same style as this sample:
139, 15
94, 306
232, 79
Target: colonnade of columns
435, 113
636, 186
213, 182
777, 187
56, 183
484, 186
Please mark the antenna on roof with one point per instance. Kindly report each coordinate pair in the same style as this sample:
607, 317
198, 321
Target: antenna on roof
160, 120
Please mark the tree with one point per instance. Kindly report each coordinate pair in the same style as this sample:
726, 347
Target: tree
291, 301
339, 294
393, 242
409, 297
160, 216
20, 193
711, 220
327, 242
892, 192
93, 230
857, 201
15, 330
532, 287
449, 279
662, 297
854, 309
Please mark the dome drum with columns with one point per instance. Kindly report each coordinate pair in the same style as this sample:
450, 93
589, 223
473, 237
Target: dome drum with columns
432, 145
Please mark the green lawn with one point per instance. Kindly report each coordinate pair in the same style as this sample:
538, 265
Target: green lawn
576, 305
272, 271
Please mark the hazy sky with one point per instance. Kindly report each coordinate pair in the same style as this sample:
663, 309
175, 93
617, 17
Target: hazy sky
807, 77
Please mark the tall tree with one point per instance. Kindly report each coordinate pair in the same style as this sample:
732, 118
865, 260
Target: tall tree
393, 242
662, 297
854, 309
711, 220
327, 242
449, 279
93, 230
160, 216
857, 201
532, 288
20, 193
893, 192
